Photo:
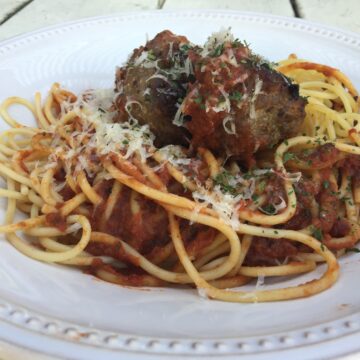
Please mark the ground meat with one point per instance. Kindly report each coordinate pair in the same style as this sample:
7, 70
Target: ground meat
230, 100
143, 230
265, 251
340, 228
301, 219
351, 165
239, 105
322, 157
151, 87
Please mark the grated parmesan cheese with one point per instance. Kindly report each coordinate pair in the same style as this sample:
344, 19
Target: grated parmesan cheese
129, 137
174, 155
216, 39
229, 125
179, 117
260, 283
256, 93
225, 205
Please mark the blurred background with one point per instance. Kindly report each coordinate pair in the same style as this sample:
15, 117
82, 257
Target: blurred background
19, 16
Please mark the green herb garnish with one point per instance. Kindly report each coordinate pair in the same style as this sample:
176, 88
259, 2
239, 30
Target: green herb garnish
268, 209
185, 48
317, 233
236, 95
218, 50
355, 250
223, 180
289, 156
151, 56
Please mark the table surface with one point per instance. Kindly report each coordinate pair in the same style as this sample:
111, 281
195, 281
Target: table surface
19, 16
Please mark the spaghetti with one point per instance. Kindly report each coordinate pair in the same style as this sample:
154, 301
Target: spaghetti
99, 195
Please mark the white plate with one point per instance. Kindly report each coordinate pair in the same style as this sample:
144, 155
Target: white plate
62, 312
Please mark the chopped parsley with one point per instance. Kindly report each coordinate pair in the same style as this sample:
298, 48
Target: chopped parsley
262, 186
289, 156
326, 184
218, 50
221, 99
317, 233
185, 48
305, 99
151, 56
347, 199
223, 180
269, 65
237, 43
355, 250
306, 152
236, 95
268, 209
199, 100
318, 141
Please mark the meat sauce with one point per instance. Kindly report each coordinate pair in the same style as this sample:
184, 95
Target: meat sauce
146, 229
323, 192
143, 230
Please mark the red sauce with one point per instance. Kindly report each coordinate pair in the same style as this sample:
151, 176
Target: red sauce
265, 251
23, 155
203, 239
129, 277
56, 220
67, 193
143, 231
340, 228
321, 157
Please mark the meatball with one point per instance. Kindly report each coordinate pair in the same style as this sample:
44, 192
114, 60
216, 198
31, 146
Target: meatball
221, 96
153, 84
238, 103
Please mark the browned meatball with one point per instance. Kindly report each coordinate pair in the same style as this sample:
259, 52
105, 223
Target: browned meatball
230, 100
239, 104
153, 84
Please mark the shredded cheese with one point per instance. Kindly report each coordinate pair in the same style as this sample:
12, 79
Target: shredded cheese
229, 125
225, 205
174, 155
256, 93
216, 39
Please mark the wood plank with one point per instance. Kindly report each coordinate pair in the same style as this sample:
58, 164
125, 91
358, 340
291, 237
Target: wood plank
276, 7
8, 6
340, 13
41, 13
